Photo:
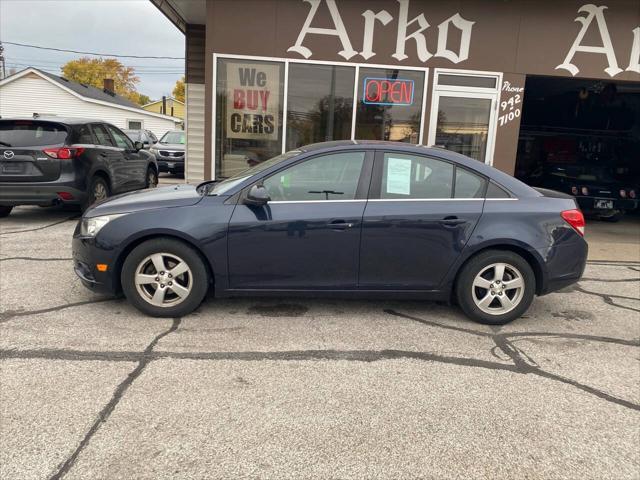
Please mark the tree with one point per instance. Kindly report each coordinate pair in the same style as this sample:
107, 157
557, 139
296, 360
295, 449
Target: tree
178, 90
93, 71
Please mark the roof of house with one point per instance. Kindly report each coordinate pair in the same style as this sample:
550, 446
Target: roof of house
160, 101
90, 91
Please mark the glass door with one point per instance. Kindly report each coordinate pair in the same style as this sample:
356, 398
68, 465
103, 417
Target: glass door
463, 114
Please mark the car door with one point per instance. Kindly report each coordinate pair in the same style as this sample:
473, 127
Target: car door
110, 156
134, 167
420, 214
308, 235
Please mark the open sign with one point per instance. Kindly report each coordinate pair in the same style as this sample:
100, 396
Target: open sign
385, 91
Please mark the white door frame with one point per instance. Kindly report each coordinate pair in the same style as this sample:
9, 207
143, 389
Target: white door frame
492, 94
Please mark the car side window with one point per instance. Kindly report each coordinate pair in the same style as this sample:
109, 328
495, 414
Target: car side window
415, 177
328, 177
102, 135
121, 139
84, 135
468, 185
494, 191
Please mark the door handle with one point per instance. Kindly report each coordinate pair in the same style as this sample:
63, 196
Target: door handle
340, 225
452, 221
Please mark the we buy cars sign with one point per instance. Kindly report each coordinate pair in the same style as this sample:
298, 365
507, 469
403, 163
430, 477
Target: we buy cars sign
253, 100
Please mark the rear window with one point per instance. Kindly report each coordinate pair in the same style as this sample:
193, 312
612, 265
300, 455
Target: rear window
28, 133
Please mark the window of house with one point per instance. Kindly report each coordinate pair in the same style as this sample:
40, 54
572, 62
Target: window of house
134, 124
328, 177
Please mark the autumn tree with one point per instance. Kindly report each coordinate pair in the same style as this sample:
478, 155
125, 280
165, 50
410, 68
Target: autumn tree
178, 90
93, 71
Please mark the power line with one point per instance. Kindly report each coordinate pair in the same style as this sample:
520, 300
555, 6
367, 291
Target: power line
91, 53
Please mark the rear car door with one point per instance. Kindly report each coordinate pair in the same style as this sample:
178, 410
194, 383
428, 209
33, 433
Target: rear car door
111, 156
308, 235
23, 145
420, 214
134, 167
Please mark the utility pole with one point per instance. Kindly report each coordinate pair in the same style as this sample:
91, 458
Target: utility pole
3, 70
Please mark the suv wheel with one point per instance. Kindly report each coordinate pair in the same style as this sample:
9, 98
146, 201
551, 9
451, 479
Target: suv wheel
164, 278
152, 178
5, 211
98, 190
495, 287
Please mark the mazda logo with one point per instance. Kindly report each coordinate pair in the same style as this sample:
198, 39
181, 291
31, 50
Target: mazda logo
8, 154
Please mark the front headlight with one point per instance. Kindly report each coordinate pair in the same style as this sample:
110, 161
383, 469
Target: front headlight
91, 226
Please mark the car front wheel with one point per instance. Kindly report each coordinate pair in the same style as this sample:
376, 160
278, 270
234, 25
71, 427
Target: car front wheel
164, 278
5, 211
152, 178
495, 287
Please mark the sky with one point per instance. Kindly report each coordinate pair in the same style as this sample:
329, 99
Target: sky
125, 27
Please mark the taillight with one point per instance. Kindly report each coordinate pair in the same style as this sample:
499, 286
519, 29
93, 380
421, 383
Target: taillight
575, 219
574, 190
64, 153
623, 194
585, 191
632, 193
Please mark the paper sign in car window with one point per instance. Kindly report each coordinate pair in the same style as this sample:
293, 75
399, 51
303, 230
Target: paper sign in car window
285, 180
398, 176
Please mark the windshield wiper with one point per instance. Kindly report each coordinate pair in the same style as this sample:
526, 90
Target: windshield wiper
5, 144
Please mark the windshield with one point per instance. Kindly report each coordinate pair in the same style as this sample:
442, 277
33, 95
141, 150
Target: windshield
173, 137
27, 133
227, 184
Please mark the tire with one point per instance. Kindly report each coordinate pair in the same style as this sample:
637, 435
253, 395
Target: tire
152, 178
480, 276
193, 283
5, 211
98, 190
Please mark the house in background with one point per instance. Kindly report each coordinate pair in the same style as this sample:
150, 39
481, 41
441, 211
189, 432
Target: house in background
34, 91
168, 106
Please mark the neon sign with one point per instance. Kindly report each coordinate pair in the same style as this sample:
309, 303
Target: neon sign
385, 91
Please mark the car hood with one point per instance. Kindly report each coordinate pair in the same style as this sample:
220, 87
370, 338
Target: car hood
162, 197
169, 146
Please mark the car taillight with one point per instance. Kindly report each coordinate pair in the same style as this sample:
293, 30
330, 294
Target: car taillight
632, 193
585, 191
64, 153
574, 190
623, 194
575, 219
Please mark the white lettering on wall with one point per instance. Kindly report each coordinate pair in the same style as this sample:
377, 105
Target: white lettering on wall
607, 49
465, 38
339, 31
401, 39
369, 21
634, 60
384, 17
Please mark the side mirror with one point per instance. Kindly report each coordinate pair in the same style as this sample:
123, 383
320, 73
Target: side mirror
138, 146
257, 196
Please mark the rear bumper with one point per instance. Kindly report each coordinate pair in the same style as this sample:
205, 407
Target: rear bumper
44, 194
587, 204
564, 265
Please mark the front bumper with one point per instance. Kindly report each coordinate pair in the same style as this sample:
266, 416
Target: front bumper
85, 258
43, 194
171, 166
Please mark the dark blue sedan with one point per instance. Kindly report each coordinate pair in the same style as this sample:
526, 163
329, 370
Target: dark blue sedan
339, 218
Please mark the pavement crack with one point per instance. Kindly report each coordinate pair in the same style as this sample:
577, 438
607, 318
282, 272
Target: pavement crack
35, 259
75, 217
608, 298
8, 315
119, 392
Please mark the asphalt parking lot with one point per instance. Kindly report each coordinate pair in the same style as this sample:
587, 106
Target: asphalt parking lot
291, 388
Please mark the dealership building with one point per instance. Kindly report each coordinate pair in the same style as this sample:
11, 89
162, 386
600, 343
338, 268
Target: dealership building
516, 84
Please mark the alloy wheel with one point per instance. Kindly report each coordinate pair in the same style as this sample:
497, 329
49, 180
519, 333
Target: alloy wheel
498, 288
152, 179
163, 279
99, 191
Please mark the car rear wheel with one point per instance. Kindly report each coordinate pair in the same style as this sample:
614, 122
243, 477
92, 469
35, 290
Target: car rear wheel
164, 278
5, 211
495, 287
98, 190
152, 178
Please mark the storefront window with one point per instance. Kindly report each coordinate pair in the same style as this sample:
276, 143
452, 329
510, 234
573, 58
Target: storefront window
249, 103
389, 105
319, 103
463, 125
